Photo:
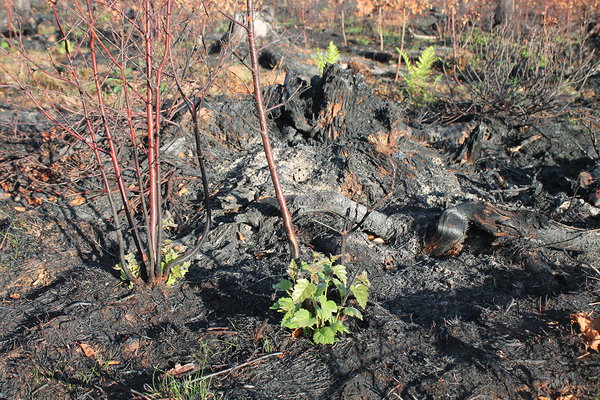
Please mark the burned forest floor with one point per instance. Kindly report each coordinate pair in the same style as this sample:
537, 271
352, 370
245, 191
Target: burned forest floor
488, 319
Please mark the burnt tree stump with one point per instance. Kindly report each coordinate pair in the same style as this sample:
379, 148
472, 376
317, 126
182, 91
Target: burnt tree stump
337, 104
344, 104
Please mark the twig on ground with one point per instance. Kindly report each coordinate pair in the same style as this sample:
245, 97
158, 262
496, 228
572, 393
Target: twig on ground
236, 367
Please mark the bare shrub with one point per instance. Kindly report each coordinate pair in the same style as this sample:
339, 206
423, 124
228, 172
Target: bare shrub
115, 79
518, 77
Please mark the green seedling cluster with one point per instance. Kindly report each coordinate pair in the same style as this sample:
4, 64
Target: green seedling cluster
169, 252
330, 56
317, 303
418, 76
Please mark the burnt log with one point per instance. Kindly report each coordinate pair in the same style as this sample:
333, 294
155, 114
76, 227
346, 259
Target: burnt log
379, 56
589, 181
471, 149
286, 55
387, 227
448, 235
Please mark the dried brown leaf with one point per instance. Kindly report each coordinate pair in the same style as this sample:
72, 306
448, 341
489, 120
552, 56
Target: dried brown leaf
590, 329
77, 201
296, 333
87, 350
376, 239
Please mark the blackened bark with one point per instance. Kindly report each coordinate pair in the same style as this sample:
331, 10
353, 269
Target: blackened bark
507, 226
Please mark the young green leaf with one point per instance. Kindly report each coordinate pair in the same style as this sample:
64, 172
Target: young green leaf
293, 269
361, 292
317, 257
178, 272
328, 308
342, 289
363, 277
417, 75
303, 290
340, 271
314, 268
324, 306
321, 289
132, 265
284, 304
170, 253
324, 335
331, 56
340, 327
301, 319
352, 312
283, 285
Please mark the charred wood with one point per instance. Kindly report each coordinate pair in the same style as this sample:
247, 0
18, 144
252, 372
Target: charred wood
386, 226
451, 229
